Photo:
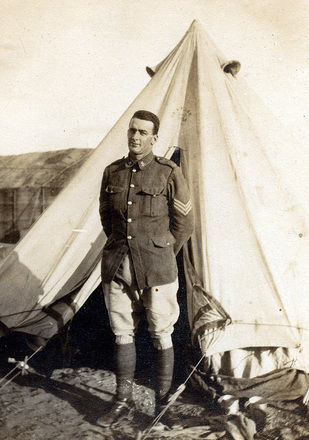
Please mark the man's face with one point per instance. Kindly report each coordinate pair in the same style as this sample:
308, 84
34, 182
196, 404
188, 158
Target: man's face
140, 137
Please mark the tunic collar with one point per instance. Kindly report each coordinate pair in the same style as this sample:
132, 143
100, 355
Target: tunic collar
142, 163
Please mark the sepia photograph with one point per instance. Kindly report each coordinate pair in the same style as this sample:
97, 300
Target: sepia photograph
154, 220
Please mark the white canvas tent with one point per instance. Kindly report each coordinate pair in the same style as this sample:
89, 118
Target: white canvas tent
248, 180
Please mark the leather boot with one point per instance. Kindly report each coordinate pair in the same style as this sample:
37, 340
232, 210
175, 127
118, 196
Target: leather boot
118, 411
125, 358
165, 369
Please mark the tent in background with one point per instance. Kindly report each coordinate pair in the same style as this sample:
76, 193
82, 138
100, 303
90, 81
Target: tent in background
246, 264
28, 185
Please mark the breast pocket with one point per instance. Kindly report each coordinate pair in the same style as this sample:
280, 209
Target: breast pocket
153, 201
116, 197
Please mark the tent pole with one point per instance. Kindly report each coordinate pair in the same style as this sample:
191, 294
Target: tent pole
15, 208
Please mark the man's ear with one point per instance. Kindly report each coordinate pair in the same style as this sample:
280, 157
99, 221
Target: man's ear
154, 139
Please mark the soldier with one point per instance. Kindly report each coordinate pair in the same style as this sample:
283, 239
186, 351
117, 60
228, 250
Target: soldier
146, 214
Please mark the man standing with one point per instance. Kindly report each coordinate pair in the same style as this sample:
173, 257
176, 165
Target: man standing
146, 214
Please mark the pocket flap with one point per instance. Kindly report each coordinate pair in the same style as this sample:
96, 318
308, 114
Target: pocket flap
164, 241
111, 189
153, 190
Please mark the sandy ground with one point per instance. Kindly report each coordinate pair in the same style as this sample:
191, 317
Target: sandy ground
66, 405
72, 382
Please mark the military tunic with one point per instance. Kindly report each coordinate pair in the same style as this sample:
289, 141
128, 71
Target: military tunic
145, 209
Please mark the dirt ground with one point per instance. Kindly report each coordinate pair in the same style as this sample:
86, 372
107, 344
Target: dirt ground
72, 382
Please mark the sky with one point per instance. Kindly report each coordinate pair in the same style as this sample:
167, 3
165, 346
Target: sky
70, 68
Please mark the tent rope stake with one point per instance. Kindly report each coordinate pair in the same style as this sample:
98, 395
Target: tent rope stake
22, 366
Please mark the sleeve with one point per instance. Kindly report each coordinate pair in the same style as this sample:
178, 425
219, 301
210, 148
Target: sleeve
181, 212
104, 209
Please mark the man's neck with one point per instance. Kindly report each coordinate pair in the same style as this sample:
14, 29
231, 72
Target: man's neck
137, 157
132, 157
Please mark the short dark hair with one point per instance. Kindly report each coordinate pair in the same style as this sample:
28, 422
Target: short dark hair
148, 116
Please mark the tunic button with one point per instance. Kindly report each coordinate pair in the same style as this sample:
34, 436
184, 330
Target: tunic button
129, 237
129, 220
133, 170
129, 202
132, 185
